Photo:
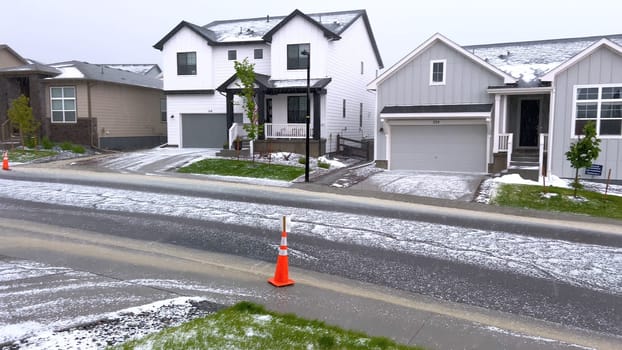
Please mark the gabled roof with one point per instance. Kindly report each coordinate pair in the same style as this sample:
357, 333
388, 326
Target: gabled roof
508, 79
31, 67
261, 29
327, 33
263, 82
550, 76
144, 68
10, 50
76, 70
530, 61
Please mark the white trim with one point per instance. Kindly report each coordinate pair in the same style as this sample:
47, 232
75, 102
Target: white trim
519, 91
507, 79
549, 150
599, 101
389, 116
550, 76
496, 128
444, 76
388, 144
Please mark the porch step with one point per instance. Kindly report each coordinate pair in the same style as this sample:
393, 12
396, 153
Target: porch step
529, 174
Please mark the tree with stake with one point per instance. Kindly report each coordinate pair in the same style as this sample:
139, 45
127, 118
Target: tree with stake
245, 71
20, 115
583, 152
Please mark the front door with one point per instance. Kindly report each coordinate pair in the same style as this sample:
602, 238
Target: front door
529, 121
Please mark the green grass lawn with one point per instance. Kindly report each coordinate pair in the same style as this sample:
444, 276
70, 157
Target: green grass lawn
528, 196
250, 326
232, 167
24, 156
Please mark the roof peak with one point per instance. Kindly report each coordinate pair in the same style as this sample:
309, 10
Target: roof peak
277, 17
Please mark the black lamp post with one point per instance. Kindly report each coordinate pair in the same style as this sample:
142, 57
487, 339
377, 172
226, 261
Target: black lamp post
308, 118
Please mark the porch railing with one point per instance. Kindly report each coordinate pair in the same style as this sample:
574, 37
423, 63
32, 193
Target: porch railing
504, 144
236, 130
544, 145
285, 131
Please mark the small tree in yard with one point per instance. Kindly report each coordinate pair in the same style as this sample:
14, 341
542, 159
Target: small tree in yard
583, 152
20, 115
245, 71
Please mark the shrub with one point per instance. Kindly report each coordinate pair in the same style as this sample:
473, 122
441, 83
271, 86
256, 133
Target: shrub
66, 146
302, 160
323, 165
30, 142
77, 149
46, 143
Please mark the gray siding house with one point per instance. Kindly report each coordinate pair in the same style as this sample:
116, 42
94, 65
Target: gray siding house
488, 108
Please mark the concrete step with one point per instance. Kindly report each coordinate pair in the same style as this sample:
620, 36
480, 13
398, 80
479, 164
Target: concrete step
529, 174
231, 153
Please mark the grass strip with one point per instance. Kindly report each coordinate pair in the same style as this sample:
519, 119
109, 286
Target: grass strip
233, 167
26, 155
249, 326
588, 203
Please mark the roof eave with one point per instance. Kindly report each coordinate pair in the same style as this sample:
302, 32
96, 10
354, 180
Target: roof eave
550, 76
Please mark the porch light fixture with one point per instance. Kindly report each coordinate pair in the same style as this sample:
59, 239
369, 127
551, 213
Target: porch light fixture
308, 119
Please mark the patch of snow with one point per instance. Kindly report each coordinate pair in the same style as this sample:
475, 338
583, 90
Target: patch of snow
548, 195
69, 72
334, 163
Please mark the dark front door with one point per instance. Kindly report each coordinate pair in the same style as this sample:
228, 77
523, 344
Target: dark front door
529, 120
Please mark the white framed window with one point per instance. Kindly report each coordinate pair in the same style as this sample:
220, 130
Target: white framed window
437, 72
601, 104
63, 104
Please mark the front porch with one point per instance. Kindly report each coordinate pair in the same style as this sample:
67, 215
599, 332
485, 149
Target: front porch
520, 131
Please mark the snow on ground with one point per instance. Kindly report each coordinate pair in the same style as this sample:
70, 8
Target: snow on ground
78, 310
589, 266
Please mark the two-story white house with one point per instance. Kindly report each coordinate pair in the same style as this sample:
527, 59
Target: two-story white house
200, 83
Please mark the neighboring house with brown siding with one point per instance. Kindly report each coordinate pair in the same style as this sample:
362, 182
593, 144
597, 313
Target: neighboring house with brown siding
84, 103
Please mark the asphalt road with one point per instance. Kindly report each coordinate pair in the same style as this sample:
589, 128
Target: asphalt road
544, 299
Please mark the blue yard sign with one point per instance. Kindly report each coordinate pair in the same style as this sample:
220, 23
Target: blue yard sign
595, 169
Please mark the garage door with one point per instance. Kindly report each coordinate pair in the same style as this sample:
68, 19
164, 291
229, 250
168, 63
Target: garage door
204, 130
439, 147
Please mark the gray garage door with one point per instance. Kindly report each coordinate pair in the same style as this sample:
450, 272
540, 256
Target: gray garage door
439, 147
204, 130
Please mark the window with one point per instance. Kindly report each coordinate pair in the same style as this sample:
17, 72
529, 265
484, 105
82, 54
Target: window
295, 58
343, 109
163, 109
63, 101
296, 109
361, 115
258, 54
601, 104
186, 63
437, 72
232, 55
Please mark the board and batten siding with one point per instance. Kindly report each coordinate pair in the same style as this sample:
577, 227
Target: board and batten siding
603, 66
465, 83
185, 40
344, 68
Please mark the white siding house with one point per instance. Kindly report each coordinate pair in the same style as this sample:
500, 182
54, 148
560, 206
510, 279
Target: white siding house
199, 79
513, 107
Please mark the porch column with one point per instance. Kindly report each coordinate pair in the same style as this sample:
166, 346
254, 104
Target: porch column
316, 115
229, 104
497, 127
261, 108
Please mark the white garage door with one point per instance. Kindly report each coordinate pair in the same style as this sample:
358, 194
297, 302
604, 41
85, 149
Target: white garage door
204, 130
439, 147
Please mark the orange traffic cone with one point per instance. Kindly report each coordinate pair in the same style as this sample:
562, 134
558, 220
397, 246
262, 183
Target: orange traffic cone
281, 278
5, 161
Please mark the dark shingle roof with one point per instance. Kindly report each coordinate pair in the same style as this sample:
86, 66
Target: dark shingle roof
76, 70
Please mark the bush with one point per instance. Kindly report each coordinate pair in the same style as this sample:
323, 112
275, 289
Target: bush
46, 143
77, 149
66, 146
30, 142
302, 160
323, 165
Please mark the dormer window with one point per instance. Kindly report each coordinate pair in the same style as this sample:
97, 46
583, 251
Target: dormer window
437, 72
295, 58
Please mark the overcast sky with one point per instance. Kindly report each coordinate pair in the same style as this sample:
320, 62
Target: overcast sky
124, 31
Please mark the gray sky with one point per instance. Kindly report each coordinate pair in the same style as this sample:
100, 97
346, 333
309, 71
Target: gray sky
124, 31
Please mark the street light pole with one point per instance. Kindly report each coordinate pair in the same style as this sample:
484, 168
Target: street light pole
308, 119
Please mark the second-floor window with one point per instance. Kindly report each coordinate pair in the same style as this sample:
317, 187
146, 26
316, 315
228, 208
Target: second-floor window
437, 72
258, 54
232, 55
295, 58
186, 63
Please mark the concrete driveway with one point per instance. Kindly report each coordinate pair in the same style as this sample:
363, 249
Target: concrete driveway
455, 186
